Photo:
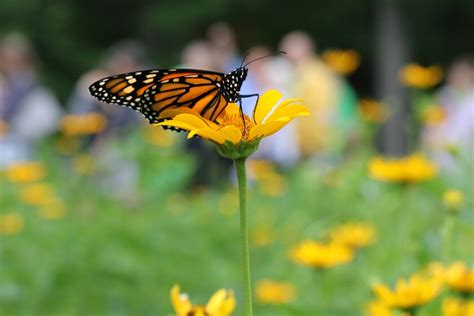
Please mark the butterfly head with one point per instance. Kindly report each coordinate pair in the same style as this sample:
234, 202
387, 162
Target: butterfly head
233, 82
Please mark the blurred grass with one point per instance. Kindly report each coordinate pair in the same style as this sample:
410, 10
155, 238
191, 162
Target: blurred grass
111, 256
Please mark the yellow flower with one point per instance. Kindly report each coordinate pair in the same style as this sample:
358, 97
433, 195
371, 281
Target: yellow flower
409, 294
378, 308
272, 292
38, 194
458, 307
408, 169
417, 76
341, 61
353, 235
234, 138
317, 255
10, 223
434, 115
83, 124
24, 172
373, 111
460, 278
453, 198
221, 303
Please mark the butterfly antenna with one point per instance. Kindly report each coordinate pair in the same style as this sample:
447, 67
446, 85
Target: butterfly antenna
243, 60
266, 56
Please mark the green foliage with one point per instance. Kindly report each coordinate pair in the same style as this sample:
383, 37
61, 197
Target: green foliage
121, 256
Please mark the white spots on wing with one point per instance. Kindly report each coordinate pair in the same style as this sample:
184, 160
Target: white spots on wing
148, 80
132, 80
151, 75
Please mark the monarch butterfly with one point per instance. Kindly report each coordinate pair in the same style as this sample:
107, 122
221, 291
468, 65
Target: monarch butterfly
150, 92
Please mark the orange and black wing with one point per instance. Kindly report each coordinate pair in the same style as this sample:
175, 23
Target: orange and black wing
153, 91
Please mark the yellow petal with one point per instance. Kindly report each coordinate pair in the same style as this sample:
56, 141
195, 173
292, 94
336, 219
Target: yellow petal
265, 104
215, 302
177, 124
193, 120
210, 134
181, 303
290, 111
231, 133
267, 129
228, 305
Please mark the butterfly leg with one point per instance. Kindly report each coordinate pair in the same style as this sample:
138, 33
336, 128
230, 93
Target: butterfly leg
247, 96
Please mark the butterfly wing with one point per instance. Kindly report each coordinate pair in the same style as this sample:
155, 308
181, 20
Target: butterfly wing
153, 91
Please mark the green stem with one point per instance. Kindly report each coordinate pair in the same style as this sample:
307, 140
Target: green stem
244, 234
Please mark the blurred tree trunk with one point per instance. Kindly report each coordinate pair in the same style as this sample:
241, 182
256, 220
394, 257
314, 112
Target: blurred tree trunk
390, 55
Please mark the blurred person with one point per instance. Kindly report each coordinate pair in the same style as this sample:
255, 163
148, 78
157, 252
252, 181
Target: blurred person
456, 130
323, 91
283, 147
125, 56
210, 168
224, 47
29, 111
119, 175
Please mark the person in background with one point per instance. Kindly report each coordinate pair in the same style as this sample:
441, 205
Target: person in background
28, 110
283, 147
322, 89
456, 130
125, 56
210, 167
224, 48
118, 175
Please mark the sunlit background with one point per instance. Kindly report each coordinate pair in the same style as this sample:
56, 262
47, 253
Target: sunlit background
102, 213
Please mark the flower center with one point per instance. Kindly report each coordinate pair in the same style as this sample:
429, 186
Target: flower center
237, 120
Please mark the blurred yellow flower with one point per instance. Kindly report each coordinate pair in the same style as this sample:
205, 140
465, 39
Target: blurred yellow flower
221, 303
378, 308
10, 223
84, 164
24, 172
273, 292
38, 194
458, 307
317, 255
341, 61
436, 270
261, 236
460, 278
3, 127
83, 124
416, 76
434, 115
353, 234
270, 182
52, 211
409, 294
408, 169
373, 111
453, 198
235, 138
273, 186
157, 136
